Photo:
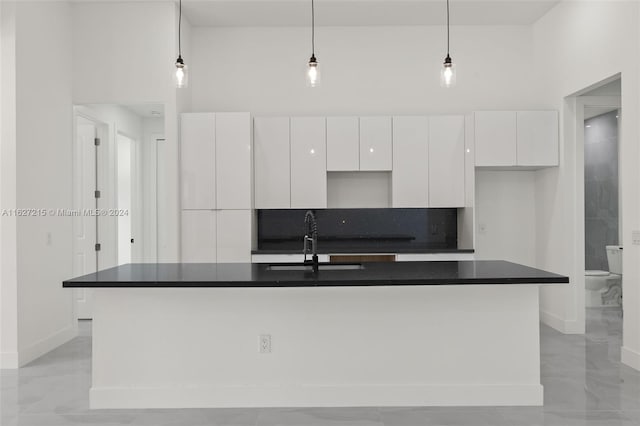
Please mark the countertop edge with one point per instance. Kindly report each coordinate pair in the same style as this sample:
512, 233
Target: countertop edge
340, 252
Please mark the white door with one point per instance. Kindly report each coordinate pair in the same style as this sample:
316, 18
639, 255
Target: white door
199, 239
271, 158
495, 135
308, 163
343, 144
446, 161
198, 160
85, 256
375, 143
410, 177
126, 171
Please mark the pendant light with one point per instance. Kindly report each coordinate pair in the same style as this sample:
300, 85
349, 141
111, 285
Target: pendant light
180, 76
448, 72
313, 72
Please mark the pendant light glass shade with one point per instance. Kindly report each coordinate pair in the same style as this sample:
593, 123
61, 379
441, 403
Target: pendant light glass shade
313, 73
448, 73
181, 76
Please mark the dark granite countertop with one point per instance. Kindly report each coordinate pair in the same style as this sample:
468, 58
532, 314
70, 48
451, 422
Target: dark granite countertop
157, 275
367, 250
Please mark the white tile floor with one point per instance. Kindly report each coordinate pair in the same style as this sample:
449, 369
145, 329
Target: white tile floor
585, 384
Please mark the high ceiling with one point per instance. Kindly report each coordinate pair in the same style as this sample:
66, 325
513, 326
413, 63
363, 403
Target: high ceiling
363, 12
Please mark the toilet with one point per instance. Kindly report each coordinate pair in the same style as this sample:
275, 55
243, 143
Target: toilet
604, 288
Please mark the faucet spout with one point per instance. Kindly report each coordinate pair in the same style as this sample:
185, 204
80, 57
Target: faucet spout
311, 240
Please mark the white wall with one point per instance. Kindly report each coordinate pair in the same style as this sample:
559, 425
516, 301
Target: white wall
43, 175
576, 45
365, 70
377, 70
505, 213
124, 53
8, 226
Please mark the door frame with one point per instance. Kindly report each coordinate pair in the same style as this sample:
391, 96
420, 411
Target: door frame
577, 104
82, 296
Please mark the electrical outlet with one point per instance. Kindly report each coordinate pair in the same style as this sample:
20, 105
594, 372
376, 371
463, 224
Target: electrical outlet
265, 344
635, 238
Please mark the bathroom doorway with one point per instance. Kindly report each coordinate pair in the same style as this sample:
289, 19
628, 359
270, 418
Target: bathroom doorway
600, 131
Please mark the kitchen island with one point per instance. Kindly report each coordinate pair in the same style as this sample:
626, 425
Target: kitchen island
373, 334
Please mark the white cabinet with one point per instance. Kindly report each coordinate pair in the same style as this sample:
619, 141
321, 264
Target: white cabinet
233, 164
375, 144
198, 236
308, 162
495, 138
233, 236
271, 163
537, 138
216, 176
446, 161
410, 178
198, 159
343, 144
516, 138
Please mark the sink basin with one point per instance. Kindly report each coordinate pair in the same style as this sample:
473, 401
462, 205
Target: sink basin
309, 268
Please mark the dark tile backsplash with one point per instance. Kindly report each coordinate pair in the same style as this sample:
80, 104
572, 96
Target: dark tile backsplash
366, 229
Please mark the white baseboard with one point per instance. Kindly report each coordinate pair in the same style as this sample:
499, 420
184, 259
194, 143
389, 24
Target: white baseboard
41, 347
8, 360
631, 358
560, 324
315, 396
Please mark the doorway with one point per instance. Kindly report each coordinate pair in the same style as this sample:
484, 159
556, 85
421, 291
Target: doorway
117, 162
598, 120
126, 171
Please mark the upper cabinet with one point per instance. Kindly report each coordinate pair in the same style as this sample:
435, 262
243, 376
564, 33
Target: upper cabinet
308, 162
495, 138
537, 138
446, 161
271, 162
343, 144
216, 161
198, 159
516, 138
375, 144
410, 177
234, 164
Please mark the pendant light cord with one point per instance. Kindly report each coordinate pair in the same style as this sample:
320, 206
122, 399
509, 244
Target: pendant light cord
447, 27
313, 29
180, 30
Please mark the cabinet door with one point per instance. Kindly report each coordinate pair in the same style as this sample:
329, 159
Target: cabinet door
375, 143
343, 144
233, 160
308, 162
410, 177
198, 161
537, 138
271, 157
446, 161
495, 138
234, 236
198, 236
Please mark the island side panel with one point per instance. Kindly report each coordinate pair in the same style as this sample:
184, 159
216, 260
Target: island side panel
331, 346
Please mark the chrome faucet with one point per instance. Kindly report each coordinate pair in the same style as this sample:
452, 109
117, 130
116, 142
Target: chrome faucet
311, 239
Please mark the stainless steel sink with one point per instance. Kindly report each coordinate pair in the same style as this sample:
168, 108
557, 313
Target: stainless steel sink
309, 268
